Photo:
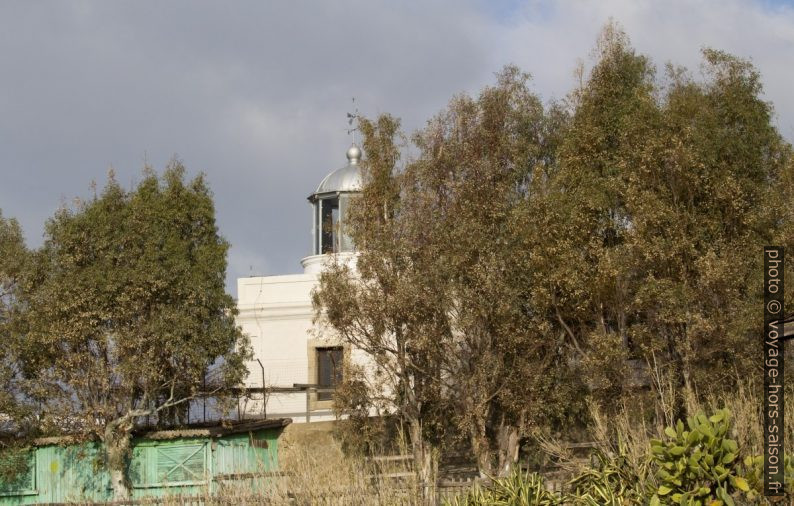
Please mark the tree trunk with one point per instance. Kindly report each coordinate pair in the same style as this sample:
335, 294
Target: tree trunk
690, 399
495, 458
118, 483
508, 441
117, 440
425, 462
686, 398
482, 452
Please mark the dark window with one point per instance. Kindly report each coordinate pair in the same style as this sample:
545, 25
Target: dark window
329, 223
329, 370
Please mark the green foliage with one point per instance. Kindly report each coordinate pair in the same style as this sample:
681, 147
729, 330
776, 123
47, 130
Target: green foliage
127, 307
14, 260
649, 226
613, 481
122, 312
753, 473
698, 463
517, 489
532, 256
15, 461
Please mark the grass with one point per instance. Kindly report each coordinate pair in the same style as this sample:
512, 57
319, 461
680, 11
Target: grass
315, 473
318, 472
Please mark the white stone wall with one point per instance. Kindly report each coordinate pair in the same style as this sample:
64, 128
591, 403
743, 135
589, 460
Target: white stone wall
276, 313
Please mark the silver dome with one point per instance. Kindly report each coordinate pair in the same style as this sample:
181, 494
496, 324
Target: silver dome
346, 179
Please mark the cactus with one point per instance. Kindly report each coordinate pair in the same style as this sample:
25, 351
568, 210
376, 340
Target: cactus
753, 472
698, 463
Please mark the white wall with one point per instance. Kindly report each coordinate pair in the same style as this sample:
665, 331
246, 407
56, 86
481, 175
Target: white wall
276, 313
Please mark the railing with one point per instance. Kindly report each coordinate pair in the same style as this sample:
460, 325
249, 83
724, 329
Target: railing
201, 409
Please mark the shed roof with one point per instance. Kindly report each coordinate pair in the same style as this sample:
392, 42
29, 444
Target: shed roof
218, 430
197, 430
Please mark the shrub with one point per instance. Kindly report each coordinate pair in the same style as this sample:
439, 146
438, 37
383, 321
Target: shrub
518, 489
14, 463
612, 481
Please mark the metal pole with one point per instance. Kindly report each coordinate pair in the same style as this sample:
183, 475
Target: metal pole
314, 228
320, 226
264, 399
308, 414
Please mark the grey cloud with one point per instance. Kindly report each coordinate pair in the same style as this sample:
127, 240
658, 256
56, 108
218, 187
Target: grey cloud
255, 94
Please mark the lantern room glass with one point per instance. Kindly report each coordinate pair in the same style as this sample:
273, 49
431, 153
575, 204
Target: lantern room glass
329, 213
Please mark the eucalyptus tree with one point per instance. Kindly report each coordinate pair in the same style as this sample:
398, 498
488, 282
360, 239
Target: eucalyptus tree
14, 408
440, 299
579, 222
123, 310
473, 176
387, 307
528, 255
704, 199
659, 206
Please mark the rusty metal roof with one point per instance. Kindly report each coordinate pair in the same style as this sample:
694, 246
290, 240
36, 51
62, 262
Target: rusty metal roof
196, 430
217, 430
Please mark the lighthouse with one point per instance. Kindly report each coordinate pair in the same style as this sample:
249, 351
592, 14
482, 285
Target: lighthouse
298, 363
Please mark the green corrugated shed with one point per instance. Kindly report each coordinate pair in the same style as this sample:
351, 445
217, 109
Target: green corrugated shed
180, 462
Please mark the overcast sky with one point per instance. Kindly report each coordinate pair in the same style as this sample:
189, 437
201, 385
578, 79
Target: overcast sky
255, 93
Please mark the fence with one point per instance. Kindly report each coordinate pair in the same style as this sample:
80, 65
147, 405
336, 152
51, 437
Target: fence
397, 468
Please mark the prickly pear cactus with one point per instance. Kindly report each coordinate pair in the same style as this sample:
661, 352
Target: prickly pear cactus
753, 471
697, 463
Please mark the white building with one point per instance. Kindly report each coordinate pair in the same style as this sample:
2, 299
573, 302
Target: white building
276, 312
